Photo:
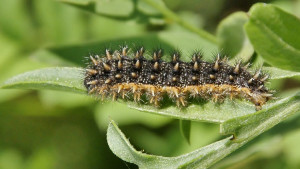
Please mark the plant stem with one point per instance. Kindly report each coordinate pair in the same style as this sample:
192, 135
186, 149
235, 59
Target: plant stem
171, 15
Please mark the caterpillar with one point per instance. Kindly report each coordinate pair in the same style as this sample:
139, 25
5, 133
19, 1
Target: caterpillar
123, 74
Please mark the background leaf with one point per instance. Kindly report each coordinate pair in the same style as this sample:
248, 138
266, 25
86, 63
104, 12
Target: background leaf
275, 36
232, 37
120, 8
147, 9
74, 55
147, 6
77, 54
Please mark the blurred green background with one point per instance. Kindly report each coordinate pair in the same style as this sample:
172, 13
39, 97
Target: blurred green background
52, 129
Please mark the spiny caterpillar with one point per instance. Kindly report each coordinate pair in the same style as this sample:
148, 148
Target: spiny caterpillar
117, 74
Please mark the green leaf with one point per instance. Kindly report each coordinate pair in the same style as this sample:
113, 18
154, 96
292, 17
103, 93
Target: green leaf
182, 40
232, 37
170, 15
275, 36
244, 129
202, 110
73, 55
279, 73
78, 2
119, 8
266, 148
252, 125
201, 158
59, 23
112, 8
65, 79
185, 129
22, 29
147, 9
128, 116
52, 56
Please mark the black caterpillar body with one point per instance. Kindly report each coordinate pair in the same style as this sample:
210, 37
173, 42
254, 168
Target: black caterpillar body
117, 74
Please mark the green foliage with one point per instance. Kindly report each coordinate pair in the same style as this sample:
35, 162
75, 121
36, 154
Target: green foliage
267, 34
252, 125
275, 36
185, 129
244, 129
232, 37
201, 158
